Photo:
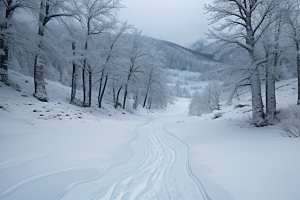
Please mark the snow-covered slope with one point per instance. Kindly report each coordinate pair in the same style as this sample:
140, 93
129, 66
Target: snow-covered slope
53, 145
249, 163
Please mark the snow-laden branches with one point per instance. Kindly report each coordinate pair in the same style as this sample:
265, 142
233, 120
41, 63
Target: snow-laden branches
244, 23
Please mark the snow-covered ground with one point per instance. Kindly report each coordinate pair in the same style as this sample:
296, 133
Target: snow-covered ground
61, 150
46, 147
247, 163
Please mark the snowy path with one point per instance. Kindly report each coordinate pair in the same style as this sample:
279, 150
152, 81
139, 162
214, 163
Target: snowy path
158, 169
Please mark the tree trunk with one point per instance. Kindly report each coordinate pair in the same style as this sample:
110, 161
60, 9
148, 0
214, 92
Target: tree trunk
149, 103
90, 88
145, 100
117, 101
4, 47
270, 94
270, 89
135, 104
60, 70
114, 95
74, 76
83, 86
257, 105
83, 74
99, 95
125, 96
39, 80
102, 94
4, 62
298, 72
100, 89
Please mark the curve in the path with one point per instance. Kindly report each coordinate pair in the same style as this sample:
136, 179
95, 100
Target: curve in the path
158, 169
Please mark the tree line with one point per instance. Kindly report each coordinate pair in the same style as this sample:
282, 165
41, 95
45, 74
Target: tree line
88, 46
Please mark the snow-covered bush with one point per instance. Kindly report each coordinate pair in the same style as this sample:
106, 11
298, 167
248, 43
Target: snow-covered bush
207, 101
289, 121
196, 106
200, 104
186, 93
215, 92
177, 89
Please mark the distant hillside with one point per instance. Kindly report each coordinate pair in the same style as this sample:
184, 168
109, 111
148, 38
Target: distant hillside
200, 55
199, 45
182, 58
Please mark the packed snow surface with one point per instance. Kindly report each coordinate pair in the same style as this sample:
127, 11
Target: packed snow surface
57, 150
158, 169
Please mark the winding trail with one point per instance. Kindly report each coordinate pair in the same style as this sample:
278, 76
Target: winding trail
158, 169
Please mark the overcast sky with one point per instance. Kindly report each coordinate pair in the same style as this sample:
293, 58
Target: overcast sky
179, 21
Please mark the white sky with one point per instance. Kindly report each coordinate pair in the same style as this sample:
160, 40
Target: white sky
179, 21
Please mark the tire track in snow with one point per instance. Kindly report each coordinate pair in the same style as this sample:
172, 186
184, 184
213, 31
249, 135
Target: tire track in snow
158, 169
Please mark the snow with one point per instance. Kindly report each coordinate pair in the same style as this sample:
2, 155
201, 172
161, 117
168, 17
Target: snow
247, 163
69, 147
158, 169
55, 150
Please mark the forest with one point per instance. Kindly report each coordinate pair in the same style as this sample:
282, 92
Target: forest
82, 44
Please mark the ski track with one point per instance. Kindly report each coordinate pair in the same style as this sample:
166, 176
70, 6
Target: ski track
158, 169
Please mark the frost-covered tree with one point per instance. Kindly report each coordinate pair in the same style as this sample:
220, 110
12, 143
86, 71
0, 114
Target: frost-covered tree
151, 80
6, 14
11, 30
111, 52
214, 89
155, 85
293, 31
186, 93
274, 46
207, 101
140, 57
49, 9
199, 104
177, 89
241, 25
70, 41
96, 17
